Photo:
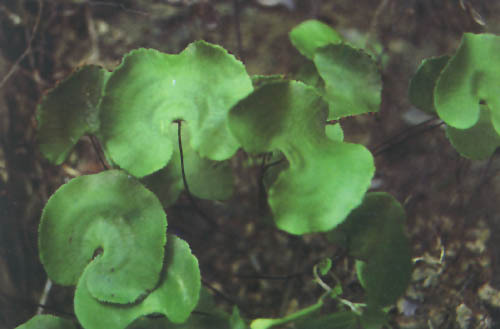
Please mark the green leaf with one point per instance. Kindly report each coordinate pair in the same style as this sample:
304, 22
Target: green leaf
353, 84
208, 316
325, 266
207, 179
236, 321
470, 78
313, 34
150, 90
478, 142
374, 234
335, 132
45, 321
373, 318
109, 212
340, 320
69, 111
421, 90
325, 179
175, 297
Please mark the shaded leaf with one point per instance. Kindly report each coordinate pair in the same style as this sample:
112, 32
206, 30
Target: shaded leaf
340, 320
470, 78
325, 179
421, 90
374, 234
150, 90
109, 224
312, 34
353, 84
478, 142
207, 179
69, 111
46, 321
175, 297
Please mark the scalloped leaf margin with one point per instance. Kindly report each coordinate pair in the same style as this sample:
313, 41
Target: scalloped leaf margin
109, 225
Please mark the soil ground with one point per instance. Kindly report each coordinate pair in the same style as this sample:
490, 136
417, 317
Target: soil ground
451, 203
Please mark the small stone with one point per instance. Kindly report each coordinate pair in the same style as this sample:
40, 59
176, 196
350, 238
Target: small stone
464, 316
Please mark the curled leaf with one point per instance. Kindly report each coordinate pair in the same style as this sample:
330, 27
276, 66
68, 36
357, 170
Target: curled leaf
325, 179
175, 297
109, 225
150, 90
469, 80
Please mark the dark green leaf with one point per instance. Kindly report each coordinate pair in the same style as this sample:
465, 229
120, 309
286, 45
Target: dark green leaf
69, 111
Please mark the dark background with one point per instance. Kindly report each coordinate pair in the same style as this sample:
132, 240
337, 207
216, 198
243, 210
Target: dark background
452, 203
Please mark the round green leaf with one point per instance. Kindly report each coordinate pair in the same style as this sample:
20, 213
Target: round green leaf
109, 224
325, 179
374, 234
470, 78
335, 132
313, 34
175, 297
150, 90
478, 142
353, 84
46, 321
421, 90
69, 111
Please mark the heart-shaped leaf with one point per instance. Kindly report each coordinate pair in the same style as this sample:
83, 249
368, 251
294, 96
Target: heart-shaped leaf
325, 179
175, 297
109, 224
150, 90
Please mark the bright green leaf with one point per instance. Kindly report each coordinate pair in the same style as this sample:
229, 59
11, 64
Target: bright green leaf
109, 212
470, 78
46, 321
421, 90
325, 179
313, 34
353, 84
478, 142
236, 321
175, 297
150, 90
374, 233
207, 179
335, 132
209, 317
69, 111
